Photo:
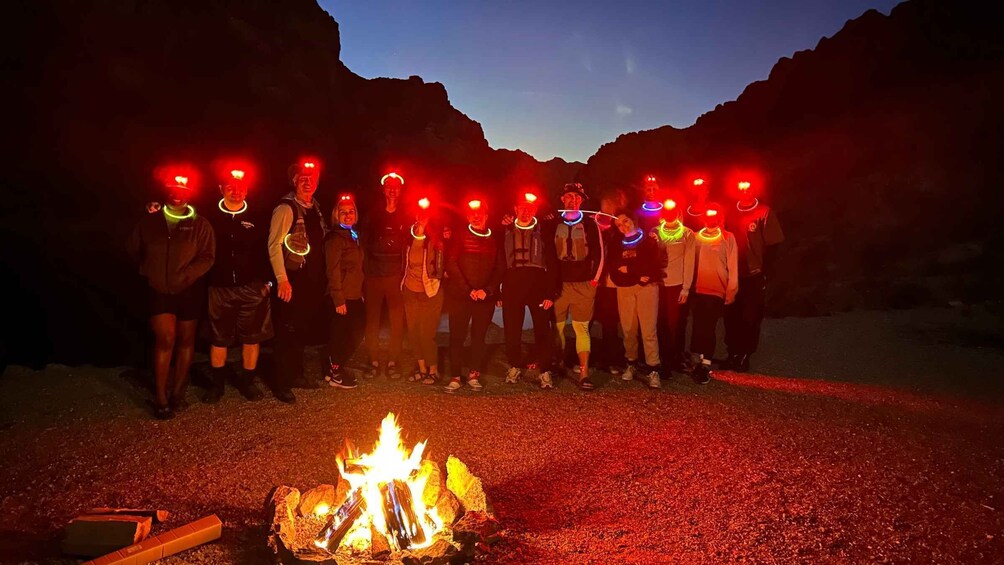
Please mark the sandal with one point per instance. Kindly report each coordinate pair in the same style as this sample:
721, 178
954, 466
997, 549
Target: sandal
430, 379
585, 383
417, 376
392, 372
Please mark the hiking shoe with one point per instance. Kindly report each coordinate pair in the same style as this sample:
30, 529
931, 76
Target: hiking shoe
473, 382
653, 380
702, 374
545, 380
454, 385
285, 395
248, 389
213, 395
629, 373
342, 379
512, 375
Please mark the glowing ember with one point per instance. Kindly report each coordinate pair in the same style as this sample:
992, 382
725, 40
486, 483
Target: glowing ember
386, 488
322, 509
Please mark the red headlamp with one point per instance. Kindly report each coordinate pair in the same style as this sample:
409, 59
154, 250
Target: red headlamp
474, 204
394, 176
711, 212
530, 197
744, 186
669, 204
424, 203
698, 182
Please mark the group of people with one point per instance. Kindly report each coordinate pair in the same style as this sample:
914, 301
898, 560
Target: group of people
305, 272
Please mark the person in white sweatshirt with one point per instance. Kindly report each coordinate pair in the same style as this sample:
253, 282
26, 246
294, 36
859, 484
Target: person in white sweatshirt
716, 282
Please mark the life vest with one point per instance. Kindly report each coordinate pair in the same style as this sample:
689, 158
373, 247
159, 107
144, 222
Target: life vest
570, 242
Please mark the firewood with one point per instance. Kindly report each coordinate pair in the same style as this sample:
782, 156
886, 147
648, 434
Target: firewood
160, 546
399, 513
379, 548
158, 516
341, 520
93, 535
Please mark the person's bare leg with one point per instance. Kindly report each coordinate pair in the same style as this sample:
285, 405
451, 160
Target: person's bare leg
249, 353
163, 345
217, 356
185, 344
584, 363
421, 366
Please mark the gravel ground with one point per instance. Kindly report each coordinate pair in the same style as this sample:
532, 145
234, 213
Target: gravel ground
869, 437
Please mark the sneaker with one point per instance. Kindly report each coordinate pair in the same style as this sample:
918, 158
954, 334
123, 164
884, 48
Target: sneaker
629, 373
454, 385
653, 380
702, 373
512, 375
342, 379
577, 369
473, 382
545, 380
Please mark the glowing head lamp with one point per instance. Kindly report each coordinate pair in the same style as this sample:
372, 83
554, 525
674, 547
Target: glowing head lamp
391, 176
474, 204
530, 197
698, 182
424, 203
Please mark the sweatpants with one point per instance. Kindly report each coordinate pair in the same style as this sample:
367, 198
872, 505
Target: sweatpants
610, 352
707, 310
422, 314
478, 314
346, 332
744, 316
521, 289
672, 325
639, 311
376, 290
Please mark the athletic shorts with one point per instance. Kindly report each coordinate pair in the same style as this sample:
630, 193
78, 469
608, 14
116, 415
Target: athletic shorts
240, 314
576, 298
185, 305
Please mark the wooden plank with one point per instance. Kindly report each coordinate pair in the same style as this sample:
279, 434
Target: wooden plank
174, 541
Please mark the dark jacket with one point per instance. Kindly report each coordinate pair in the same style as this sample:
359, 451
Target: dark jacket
343, 257
172, 260
241, 248
385, 234
538, 260
641, 260
474, 263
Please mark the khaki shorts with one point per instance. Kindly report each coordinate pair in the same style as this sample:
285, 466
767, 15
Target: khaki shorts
576, 298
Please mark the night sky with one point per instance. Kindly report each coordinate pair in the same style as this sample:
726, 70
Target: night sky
562, 78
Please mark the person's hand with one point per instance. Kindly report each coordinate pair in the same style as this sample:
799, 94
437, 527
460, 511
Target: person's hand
481, 294
622, 269
594, 283
474, 295
341, 310
508, 219
546, 304
285, 291
684, 294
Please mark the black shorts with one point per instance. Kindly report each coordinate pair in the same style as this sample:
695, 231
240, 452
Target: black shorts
241, 312
186, 305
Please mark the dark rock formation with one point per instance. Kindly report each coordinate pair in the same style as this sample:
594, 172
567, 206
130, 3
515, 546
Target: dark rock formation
106, 91
879, 150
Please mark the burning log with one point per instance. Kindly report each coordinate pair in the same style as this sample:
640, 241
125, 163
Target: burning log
399, 514
340, 521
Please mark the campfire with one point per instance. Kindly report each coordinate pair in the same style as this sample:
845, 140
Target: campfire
388, 504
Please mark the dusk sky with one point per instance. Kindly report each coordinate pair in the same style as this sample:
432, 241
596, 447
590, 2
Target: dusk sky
562, 78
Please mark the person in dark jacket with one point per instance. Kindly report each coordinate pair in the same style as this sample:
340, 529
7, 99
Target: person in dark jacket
475, 263
385, 230
530, 281
757, 233
649, 214
633, 266
239, 306
174, 247
295, 246
423, 265
344, 263
610, 352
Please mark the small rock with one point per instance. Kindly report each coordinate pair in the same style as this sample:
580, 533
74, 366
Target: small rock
476, 527
467, 487
280, 511
379, 547
448, 507
441, 552
435, 482
321, 494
